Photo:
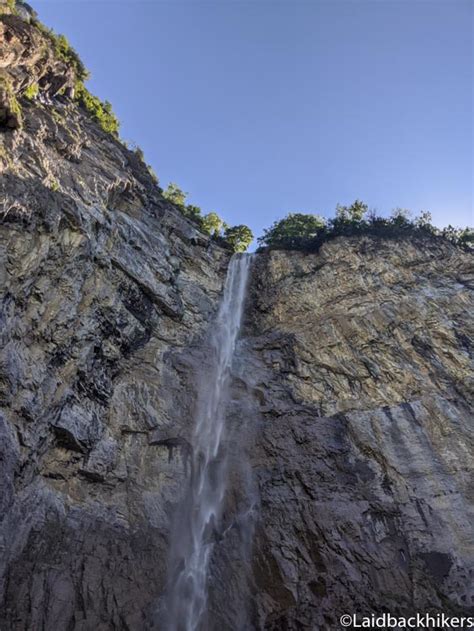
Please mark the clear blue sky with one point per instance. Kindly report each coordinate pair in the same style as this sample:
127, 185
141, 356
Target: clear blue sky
262, 107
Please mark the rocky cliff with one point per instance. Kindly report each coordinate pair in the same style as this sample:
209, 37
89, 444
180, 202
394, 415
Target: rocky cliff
350, 397
362, 376
103, 283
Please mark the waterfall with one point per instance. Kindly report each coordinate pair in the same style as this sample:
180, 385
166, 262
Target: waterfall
198, 522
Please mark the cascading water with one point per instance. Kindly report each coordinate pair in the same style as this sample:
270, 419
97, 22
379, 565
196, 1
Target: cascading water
198, 523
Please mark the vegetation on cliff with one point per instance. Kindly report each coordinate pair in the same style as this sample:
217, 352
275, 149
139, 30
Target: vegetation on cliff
10, 109
238, 238
299, 231
101, 111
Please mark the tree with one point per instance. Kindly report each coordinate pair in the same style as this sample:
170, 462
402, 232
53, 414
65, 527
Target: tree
212, 224
294, 231
353, 213
193, 212
175, 195
423, 219
466, 238
459, 236
238, 237
401, 217
308, 232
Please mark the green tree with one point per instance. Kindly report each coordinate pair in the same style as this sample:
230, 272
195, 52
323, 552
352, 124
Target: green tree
175, 195
423, 219
466, 238
353, 213
238, 237
400, 217
308, 232
100, 110
294, 231
212, 224
193, 212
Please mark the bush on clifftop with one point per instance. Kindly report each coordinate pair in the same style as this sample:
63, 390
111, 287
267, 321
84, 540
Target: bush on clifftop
307, 232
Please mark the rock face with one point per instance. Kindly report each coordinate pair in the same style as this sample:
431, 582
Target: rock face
360, 368
350, 405
103, 283
27, 58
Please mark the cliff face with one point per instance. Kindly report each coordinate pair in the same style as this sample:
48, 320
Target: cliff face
360, 364
350, 397
103, 283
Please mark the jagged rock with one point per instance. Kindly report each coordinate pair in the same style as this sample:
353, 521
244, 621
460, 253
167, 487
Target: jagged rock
27, 57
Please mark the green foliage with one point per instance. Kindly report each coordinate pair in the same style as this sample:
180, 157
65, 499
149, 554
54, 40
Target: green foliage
152, 173
64, 50
460, 236
15, 107
138, 151
354, 212
465, 237
14, 110
303, 232
193, 212
400, 217
175, 195
212, 224
31, 91
238, 237
100, 110
10, 8
296, 230
423, 220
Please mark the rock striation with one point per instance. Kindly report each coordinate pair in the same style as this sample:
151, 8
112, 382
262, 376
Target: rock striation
103, 283
361, 371
351, 396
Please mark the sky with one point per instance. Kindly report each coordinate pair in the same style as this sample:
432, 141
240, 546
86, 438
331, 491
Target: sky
262, 107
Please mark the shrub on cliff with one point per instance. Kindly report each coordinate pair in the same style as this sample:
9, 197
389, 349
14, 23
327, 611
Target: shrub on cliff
295, 231
212, 224
237, 238
31, 92
175, 195
100, 110
63, 50
351, 214
308, 232
11, 116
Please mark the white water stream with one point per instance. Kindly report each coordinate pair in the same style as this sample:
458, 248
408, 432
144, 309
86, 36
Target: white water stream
198, 525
